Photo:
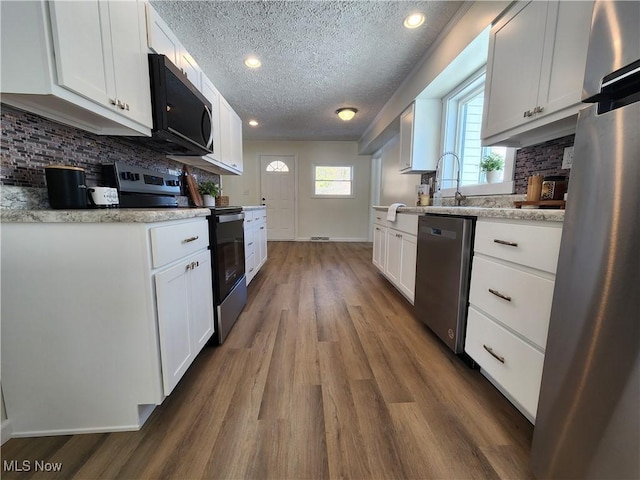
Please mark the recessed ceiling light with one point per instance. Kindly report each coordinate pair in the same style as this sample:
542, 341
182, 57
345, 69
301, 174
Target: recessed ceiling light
346, 113
253, 123
252, 62
414, 20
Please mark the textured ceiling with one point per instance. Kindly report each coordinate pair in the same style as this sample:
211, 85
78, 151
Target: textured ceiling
317, 56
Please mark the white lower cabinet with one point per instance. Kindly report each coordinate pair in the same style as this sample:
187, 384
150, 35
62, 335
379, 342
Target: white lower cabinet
185, 314
379, 246
255, 241
510, 298
395, 246
100, 321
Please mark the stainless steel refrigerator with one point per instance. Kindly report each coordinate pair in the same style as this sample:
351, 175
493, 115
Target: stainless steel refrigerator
588, 420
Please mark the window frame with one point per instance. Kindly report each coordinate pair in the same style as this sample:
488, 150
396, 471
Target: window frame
451, 128
314, 194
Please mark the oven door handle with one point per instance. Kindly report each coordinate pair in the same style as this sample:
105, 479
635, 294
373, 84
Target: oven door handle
230, 218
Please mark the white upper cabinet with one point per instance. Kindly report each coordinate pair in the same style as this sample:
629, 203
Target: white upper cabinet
162, 40
231, 142
211, 93
99, 54
537, 56
226, 125
84, 64
80, 65
420, 129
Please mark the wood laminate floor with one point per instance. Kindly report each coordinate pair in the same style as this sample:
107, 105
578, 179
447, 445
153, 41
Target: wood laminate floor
326, 375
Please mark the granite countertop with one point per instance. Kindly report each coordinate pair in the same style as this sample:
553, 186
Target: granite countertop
102, 215
548, 215
254, 207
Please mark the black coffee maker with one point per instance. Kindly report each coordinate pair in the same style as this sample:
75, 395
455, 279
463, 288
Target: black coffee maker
66, 187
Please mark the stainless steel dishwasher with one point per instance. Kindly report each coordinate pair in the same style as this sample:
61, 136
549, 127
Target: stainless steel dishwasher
443, 272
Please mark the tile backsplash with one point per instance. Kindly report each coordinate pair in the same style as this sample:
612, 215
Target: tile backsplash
30, 142
542, 159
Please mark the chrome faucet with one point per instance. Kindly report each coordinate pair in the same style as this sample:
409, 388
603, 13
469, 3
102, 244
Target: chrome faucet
458, 196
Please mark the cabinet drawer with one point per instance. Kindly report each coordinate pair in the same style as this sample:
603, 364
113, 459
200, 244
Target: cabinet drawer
249, 241
249, 216
515, 365
260, 216
535, 246
380, 218
405, 222
176, 241
520, 300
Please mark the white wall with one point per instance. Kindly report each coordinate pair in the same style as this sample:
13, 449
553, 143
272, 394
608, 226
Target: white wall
340, 219
396, 187
462, 32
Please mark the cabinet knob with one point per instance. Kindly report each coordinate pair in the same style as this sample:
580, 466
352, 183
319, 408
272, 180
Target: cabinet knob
528, 113
113, 101
538, 109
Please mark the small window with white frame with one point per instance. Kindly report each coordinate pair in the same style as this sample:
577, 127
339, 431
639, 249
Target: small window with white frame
462, 122
333, 181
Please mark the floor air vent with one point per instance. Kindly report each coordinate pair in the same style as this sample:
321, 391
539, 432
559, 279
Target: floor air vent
319, 239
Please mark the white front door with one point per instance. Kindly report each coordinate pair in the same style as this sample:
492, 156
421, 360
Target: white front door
277, 183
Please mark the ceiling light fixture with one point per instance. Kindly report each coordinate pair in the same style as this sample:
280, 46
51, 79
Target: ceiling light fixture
252, 62
253, 123
414, 20
347, 113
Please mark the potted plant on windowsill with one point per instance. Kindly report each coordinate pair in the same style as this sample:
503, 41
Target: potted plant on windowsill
492, 164
209, 191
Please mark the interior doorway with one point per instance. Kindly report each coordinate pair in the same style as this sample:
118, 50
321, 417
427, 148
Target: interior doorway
278, 193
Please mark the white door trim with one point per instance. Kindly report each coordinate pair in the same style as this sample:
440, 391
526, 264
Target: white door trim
295, 186
376, 176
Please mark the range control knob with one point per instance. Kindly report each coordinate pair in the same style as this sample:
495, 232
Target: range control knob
126, 175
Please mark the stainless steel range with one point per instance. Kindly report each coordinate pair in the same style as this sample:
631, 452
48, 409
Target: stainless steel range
142, 188
226, 240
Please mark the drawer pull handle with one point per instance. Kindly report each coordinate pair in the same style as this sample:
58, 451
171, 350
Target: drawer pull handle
505, 242
494, 355
190, 239
501, 295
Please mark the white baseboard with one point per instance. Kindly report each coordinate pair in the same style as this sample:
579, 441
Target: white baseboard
335, 239
7, 430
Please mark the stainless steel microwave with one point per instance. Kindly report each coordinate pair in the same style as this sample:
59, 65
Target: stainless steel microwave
182, 116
